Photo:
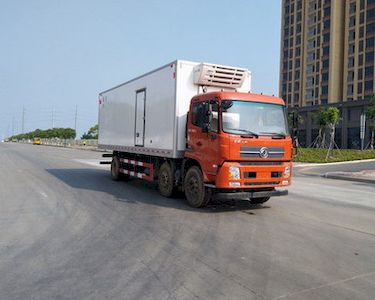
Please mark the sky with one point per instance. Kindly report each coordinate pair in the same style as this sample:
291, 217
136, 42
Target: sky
56, 56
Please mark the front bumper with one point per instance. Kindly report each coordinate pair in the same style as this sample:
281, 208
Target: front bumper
249, 195
254, 175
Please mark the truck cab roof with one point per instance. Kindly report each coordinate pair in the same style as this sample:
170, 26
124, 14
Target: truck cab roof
240, 96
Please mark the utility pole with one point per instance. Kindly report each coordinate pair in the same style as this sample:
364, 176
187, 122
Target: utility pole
75, 120
23, 119
53, 121
13, 126
363, 130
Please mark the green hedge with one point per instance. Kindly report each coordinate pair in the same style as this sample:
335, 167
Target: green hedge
62, 133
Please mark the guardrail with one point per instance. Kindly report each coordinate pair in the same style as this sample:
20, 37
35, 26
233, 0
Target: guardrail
65, 142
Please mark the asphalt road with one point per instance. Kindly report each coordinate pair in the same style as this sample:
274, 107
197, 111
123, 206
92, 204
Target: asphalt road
67, 231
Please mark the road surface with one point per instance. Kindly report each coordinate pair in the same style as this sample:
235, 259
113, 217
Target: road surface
67, 231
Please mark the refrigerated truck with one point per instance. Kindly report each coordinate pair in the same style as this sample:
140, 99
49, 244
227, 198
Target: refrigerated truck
196, 127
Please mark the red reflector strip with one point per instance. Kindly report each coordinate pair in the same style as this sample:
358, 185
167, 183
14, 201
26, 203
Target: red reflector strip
140, 175
133, 162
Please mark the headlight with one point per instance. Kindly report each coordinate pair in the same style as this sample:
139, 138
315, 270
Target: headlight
287, 171
234, 173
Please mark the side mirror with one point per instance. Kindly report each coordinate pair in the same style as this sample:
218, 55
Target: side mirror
206, 128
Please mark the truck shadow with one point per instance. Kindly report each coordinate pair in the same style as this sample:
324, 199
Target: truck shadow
138, 191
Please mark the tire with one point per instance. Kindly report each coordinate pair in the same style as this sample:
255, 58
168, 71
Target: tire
259, 200
166, 180
115, 170
195, 192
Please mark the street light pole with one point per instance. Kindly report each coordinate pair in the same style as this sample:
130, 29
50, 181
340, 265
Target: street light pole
363, 130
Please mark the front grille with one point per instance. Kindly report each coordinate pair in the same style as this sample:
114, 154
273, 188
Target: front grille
261, 163
250, 174
262, 183
255, 152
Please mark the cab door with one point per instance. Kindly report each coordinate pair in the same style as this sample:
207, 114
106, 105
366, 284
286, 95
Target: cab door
204, 139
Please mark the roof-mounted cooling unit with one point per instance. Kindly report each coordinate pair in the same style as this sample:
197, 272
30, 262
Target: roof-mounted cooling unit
219, 76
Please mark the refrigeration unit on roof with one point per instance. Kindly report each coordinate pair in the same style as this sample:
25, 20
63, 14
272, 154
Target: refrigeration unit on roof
219, 76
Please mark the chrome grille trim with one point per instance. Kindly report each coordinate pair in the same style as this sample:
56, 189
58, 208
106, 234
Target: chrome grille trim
262, 183
254, 152
261, 163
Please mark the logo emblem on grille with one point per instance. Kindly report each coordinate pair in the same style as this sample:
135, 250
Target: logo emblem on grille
263, 152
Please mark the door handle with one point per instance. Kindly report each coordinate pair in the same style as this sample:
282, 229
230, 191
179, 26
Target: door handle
199, 144
137, 135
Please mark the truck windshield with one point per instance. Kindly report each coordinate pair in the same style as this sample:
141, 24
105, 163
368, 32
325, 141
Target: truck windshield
253, 118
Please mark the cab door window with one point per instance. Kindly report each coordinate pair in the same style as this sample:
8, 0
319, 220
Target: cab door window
198, 114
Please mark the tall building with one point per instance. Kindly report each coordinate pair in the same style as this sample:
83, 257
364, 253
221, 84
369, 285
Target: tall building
358, 80
327, 51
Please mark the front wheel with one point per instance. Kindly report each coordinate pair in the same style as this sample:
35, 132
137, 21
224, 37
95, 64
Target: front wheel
259, 200
195, 191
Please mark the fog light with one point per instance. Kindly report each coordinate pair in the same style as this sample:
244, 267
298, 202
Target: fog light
234, 173
285, 182
234, 184
287, 171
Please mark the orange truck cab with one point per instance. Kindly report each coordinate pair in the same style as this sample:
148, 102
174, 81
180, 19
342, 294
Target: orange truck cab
242, 145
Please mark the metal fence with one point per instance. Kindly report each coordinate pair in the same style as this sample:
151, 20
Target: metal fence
66, 142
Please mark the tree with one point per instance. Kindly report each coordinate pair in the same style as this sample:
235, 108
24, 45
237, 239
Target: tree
294, 120
321, 117
93, 131
332, 118
61, 133
371, 119
91, 134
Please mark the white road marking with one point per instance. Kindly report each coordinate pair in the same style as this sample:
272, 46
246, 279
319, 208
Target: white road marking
92, 162
43, 194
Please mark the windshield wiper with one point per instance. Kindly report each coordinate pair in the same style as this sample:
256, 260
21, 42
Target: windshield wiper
248, 132
278, 134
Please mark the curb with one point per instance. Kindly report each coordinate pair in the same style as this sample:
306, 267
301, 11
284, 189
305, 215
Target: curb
297, 164
333, 175
348, 178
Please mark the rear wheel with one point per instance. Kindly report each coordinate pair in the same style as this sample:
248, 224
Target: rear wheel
115, 170
259, 200
196, 193
165, 180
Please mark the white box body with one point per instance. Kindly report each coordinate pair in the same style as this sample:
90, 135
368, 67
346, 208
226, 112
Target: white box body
147, 115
